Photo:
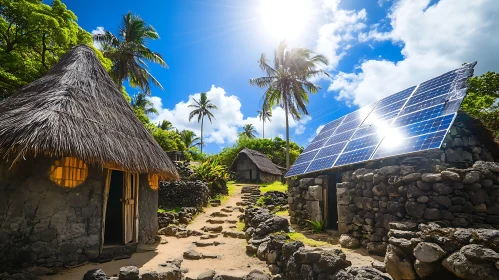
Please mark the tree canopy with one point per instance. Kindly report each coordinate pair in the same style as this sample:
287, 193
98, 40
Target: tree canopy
33, 37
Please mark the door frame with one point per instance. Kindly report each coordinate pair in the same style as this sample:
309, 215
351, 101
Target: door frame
108, 168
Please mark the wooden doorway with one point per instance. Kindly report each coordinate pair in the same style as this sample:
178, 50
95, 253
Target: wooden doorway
332, 202
121, 208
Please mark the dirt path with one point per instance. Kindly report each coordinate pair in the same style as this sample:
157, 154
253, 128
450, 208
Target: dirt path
232, 251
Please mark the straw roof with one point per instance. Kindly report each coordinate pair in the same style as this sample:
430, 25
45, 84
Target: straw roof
76, 110
262, 162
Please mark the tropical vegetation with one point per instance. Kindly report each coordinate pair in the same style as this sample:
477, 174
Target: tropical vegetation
140, 101
215, 174
129, 53
248, 131
202, 107
287, 82
264, 115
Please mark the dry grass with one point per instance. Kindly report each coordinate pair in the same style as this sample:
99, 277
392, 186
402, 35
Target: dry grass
276, 186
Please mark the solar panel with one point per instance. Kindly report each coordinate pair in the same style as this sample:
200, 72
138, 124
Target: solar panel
412, 120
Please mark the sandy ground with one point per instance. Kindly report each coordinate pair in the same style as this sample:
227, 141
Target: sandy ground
232, 252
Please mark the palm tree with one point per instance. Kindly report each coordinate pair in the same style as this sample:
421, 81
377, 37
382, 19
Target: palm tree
141, 102
264, 114
287, 81
129, 54
166, 125
189, 138
248, 131
202, 108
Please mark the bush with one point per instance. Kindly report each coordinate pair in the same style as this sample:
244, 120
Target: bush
215, 175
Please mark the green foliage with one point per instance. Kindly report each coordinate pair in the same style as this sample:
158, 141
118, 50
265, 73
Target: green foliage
197, 155
215, 175
33, 37
248, 131
481, 100
140, 101
202, 108
296, 236
276, 186
317, 226
168, 140
274, 148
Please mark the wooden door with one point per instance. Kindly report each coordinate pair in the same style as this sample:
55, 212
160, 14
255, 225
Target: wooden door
130, 195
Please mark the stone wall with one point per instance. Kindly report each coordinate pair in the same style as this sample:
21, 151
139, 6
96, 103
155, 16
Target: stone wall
433, 252
183, 194
44, 224
305, 199
369, 199
148, 212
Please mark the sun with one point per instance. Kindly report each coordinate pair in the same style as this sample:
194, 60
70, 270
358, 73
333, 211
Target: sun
284, 19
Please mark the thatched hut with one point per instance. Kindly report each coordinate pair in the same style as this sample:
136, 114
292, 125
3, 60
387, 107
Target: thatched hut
78, 170
251, 165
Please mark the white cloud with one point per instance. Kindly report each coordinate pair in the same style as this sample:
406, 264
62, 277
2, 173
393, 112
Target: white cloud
382, 2
316, 132
435, 39
228, 118
339, 31
99, 30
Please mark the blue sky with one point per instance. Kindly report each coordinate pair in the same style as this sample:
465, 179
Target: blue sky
375, 48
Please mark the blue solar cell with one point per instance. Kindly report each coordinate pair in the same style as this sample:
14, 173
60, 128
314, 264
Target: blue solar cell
399, 96
380, 111
297, 169
426, 126
436, 82
355, 156
425, 104
322, 164
348, 126
442, 90
331, 150
323, 135
332, 125
315, 145
360, 114
409, 145
340, 137
359, 143
306, 157
430, 113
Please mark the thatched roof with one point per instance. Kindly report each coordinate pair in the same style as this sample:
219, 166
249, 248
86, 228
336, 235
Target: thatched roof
262, 162
76, 110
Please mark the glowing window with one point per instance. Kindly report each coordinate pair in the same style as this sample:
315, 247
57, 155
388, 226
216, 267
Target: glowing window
69, 172
153, 181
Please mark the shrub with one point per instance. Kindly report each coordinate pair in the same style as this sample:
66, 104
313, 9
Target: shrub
215, 175
317, 226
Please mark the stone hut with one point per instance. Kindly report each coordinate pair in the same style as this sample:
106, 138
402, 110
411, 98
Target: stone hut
79, 172
251, 165
452, 181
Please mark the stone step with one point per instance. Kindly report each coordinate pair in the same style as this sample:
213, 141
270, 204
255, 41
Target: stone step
226, 210
218, 214
214, 204
195, 255
208, 236
232, 221
215, 221
212, 228
241, 203
207, 243
234, 234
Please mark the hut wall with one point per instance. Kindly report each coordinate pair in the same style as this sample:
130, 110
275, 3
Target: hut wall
44, 224
269, 178
245, 167
148, 212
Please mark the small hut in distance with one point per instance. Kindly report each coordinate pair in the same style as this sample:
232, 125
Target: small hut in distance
253, 166
79, 172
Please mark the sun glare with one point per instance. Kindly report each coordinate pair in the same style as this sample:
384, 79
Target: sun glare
284, 19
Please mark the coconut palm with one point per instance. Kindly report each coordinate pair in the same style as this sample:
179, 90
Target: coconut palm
202, 108
248, 131
189, 138
263, 115
287, 81
141, 102
166, 125
129, 54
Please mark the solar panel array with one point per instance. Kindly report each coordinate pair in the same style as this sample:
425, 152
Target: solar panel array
413, 120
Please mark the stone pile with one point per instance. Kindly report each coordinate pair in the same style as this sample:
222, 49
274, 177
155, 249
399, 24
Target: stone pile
369, 199
183, 217
274, 200
305, 199
250, 195
179, 231
434, 252
183, 169
259, 223
174, 194
170, 270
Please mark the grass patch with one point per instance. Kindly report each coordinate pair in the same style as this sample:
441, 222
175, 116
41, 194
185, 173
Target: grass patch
231, 186
175, 210
282, 213
240, 226
276, 186
296, 236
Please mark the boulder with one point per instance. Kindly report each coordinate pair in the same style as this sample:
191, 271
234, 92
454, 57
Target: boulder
129, 273
206, 275
95, 274
432, 214
398, 265
376, 248
431, 177
423, 269
428, 252
415, 209
449, 175
347, 241
192, 255
442, 188
471, 177
462, 267
478, 253
331, 261
358, 273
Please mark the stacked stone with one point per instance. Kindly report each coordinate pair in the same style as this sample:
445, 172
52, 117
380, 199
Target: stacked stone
305, 199
259, 223
434, 252
369, 200
275, 200
250, 195
183, 169
183, 194
460, 145
184, 217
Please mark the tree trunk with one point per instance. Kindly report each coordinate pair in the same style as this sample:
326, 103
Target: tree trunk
287, 129
263, 130
202, 120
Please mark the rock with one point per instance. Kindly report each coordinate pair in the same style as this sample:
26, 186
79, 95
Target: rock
397, 264
431, 177
212, 228
231, 275
388, 170
129, 273
449, 175
422, 199
219, 214
423, 269
380, 189
234, 234
415, 209
424, 186
442, 200
413, 191
357, 273
376, 248
206, 275
379, 266
347, 241
192, 255
404, 225
442, 188
432, 214
95, 274
262, 250
462, 267
471, 177
314, 193
257, 275
271, 257
428, 252
479, 253
331, 261
250, 248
